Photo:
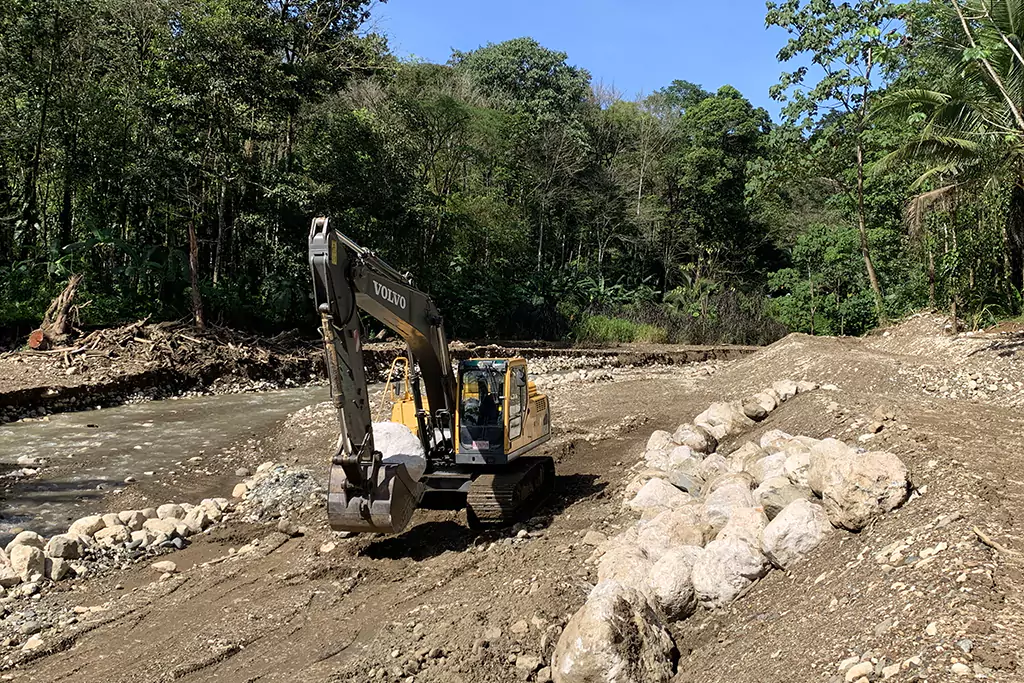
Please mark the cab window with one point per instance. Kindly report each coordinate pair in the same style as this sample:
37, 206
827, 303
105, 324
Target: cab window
480, 403
516, 402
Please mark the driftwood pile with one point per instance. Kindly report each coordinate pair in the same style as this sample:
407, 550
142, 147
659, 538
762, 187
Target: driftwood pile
177, 344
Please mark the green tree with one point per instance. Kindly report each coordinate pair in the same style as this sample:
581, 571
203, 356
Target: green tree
855, 47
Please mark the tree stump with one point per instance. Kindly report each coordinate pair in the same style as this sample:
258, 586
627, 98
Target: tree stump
37, 340
57, 320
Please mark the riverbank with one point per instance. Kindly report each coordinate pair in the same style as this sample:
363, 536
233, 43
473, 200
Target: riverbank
141, 362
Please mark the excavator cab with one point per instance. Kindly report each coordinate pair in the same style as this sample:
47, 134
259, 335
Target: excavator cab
481, 411
501, 414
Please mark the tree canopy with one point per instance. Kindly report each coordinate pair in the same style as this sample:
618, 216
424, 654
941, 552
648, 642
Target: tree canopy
174, 153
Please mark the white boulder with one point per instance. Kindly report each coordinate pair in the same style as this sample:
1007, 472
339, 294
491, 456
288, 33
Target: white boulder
723, 419
720, 503
766, 401
87, 526
196, 520
774, 494
797, 464
698, 439
786, 389
725, 568
133, 519
639, 479
58, 569
616, 637
626, 562
775, 440
681, 456
398, 445
660, 440
656, 459
712, 466
727, 478
111, 519
746, 524
27, 560
768, 467
859, 488
170, 511
670, 584
821, 458
745, 455
113, 535
26, 538
65, 547
795, 533
671, 529
161, 526
144, 537
658, 493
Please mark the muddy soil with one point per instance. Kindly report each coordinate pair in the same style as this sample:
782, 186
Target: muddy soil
442, 603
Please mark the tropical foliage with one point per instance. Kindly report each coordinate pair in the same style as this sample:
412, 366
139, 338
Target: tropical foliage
175, 152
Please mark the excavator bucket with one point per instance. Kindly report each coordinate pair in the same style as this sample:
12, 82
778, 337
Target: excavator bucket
386, 510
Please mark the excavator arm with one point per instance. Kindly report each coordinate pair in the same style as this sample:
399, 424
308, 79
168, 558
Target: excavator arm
365, 494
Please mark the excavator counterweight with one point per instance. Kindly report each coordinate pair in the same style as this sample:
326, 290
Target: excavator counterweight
474, 424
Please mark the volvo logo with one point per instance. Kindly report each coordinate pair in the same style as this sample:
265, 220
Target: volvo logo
389, 295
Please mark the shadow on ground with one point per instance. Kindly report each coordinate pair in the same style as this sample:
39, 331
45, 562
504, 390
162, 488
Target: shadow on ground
432, 538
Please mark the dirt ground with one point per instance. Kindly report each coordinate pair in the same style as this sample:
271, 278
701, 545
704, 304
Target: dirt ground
442, 603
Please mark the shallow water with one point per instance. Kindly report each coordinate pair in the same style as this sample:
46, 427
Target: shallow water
151, 439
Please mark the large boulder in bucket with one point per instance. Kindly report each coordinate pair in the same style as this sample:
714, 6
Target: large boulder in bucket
394, 492
616, 637
397, 444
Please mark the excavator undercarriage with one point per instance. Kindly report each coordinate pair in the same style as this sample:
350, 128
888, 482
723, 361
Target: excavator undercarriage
475, 424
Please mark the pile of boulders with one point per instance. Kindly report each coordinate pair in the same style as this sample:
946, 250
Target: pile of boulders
710, 526
276, 491
29, 559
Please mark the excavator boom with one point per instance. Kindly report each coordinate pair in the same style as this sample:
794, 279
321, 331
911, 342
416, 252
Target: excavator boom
365, 494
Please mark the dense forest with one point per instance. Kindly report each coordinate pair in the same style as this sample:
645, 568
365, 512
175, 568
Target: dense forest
174, 153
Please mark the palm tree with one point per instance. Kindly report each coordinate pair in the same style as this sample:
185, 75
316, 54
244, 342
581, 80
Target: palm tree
971, 135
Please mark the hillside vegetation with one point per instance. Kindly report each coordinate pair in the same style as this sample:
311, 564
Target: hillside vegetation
175, 152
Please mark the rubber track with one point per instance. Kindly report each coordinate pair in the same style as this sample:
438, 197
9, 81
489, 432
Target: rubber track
501, 498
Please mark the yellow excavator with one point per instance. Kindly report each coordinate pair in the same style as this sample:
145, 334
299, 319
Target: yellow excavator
475, 424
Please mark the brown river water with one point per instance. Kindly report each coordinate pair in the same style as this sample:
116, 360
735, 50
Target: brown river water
141, 440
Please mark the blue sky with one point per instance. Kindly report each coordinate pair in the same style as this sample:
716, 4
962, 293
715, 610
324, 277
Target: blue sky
636, 46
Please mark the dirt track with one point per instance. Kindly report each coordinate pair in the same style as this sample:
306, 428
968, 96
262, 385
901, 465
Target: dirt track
440, 603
